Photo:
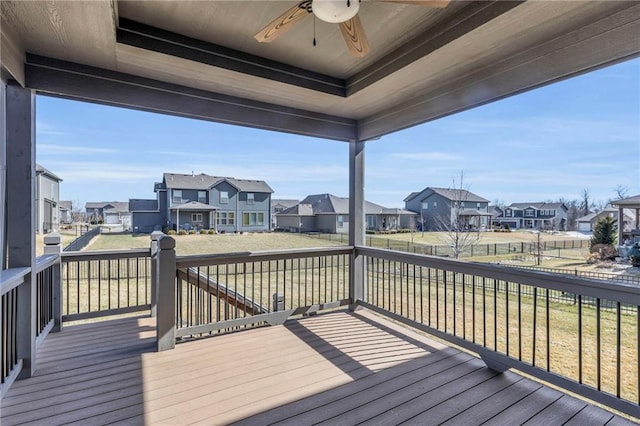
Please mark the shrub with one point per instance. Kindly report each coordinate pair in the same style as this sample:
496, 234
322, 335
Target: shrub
506, 227
211, 232
601, 253
604, 232
170, 232
182, 232
192, 232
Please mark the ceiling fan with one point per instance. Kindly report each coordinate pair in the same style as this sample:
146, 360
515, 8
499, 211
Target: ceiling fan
342, 12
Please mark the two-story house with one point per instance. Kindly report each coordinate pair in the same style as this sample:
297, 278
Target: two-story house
47, 200
441, 208
277, 206
536, 215
188, 201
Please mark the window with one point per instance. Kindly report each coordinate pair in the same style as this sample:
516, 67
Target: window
435, 204
196, 217
202, 197
226, 218
371, 221
250, 197
253, 219
508, 212
529, 213
478, 205
177, 196
224, 197
340, 220
425, 205
552, 212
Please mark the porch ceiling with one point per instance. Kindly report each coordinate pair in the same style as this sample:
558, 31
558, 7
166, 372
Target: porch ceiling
199, 58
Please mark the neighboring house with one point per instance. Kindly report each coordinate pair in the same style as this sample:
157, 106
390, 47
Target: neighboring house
438, 208
278, 205
66, 208
536, 215
205, 202
586, 223
47, 200
329, 213
109, 213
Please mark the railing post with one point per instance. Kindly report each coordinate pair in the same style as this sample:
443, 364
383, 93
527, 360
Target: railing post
155, 236
356, 221
166, 296
278, 302
52, 246
20, 214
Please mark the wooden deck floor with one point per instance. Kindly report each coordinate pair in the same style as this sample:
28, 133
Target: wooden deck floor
339, 368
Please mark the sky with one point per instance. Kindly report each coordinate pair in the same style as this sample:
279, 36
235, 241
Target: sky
542, 145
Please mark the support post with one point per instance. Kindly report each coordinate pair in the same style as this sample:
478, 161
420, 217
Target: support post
155, 236
20, 214
278, 302
52, 245
166, 300
356, 221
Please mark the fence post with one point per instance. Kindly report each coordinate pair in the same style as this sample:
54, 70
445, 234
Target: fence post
155, 236
166, 296
52, 246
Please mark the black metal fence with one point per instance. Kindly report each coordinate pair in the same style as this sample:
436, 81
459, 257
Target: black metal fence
631, 279
495, 249
83, 240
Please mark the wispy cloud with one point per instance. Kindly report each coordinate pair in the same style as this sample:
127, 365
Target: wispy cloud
69, 149
427, 156
47, 129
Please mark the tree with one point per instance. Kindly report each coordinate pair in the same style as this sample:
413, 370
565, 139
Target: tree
457, 232
621, 192
585, 204
604, 231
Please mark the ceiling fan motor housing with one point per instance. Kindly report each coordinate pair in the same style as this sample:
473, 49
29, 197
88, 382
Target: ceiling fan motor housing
335, 11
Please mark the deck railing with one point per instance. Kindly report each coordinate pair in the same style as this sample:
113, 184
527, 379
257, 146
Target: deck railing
10, 363
101, 283
47, 293
231, 291
580, 334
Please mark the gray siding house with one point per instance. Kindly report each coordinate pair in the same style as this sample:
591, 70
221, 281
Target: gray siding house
330, 214
536, 215
201, 201
277, 206
47, 200
438, 208
109, 213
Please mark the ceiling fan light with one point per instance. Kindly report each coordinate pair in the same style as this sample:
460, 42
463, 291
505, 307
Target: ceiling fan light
335, 11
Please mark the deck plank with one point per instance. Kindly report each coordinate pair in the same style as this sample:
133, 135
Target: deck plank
333, 368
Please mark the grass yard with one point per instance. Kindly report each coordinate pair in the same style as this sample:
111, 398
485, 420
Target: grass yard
219, 243
436, 238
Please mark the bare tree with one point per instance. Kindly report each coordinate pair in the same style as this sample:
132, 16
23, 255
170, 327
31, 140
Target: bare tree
585, 203
77, 214
621, 192
457, 229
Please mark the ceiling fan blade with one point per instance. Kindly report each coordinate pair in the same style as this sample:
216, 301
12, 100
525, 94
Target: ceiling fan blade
282, 23
355, 37
428, 3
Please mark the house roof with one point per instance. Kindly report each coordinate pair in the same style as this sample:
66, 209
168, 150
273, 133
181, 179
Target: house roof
450, 194
331, 204
588, 218
204, 182
298, 210
115, 206
66, 204
194, 206
286, 203
632, 202
411, 196
42, 171
141, 205
396, 211
540, 205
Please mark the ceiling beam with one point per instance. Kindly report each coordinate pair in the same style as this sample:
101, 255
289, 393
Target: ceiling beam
610, 40
74, 81
150, 38
472, 16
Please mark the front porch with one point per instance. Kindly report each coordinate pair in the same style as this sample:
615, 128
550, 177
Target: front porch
336, 368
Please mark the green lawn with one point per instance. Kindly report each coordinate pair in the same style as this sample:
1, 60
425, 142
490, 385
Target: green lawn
435, 238
219, 243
